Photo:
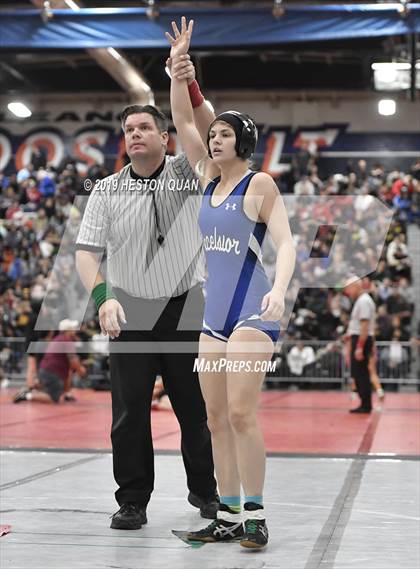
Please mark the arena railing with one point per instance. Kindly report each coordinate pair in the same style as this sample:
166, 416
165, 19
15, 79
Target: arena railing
13, 358
328, 367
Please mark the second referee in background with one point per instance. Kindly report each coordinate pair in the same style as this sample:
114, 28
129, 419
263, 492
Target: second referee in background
361, 334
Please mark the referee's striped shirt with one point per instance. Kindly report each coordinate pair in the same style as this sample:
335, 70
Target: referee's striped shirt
120, 217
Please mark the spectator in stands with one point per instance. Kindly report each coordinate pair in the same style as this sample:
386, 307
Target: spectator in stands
40, 223
404, 331
33, 196
314, 179
402, 204
407, 292
304, 187
361, 172
46, 183
49, 206
363, 202
402, 182
384, 327
376, 178
24, 173
39, 157
13, 208
395, 358
300, 358
414, 216
6, 200
398, 259
303, 159
384, 290
398, 305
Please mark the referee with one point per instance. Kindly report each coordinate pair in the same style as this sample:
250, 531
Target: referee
154, 276
361, 331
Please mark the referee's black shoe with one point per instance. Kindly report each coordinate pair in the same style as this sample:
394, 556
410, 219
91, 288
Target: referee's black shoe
129, 516
361, 410
208, 505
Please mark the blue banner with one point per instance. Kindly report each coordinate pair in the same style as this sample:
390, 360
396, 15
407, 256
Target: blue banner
216, 27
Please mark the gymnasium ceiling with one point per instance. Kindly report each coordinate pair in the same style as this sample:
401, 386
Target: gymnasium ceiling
302, 68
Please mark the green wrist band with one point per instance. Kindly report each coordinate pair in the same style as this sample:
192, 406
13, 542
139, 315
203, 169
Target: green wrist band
101, 293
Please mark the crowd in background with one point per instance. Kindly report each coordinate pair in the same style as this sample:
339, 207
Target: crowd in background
322, 312
38, 217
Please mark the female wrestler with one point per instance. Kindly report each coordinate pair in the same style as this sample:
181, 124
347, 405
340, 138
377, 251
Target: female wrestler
242, 312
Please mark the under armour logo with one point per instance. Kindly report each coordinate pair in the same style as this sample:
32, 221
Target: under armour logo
230, 206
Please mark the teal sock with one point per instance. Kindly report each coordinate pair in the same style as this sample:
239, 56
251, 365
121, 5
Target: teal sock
234, 503
256, 499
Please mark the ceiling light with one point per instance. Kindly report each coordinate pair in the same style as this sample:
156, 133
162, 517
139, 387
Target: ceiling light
393, 76
19, 109
387, 107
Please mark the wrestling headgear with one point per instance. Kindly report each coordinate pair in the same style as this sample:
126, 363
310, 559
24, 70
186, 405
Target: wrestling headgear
245, 130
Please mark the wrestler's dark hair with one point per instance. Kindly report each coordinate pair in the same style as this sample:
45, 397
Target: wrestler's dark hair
160, 119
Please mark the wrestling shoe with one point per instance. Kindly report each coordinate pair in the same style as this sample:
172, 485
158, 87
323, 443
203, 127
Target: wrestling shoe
69, 398
21, 395
226, 527
256, 532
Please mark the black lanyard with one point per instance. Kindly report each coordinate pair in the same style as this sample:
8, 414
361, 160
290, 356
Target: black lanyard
155, 174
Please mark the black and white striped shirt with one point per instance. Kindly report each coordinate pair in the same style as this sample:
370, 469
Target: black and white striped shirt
120, 217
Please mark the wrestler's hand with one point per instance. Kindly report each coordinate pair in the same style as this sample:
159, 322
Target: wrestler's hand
181, 42
182, 68
272, 305
111, 314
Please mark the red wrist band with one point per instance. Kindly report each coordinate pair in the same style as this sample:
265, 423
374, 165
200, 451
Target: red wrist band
196, 96
359, 345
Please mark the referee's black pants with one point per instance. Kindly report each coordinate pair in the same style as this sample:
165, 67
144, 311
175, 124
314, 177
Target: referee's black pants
132, 379
360, 371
